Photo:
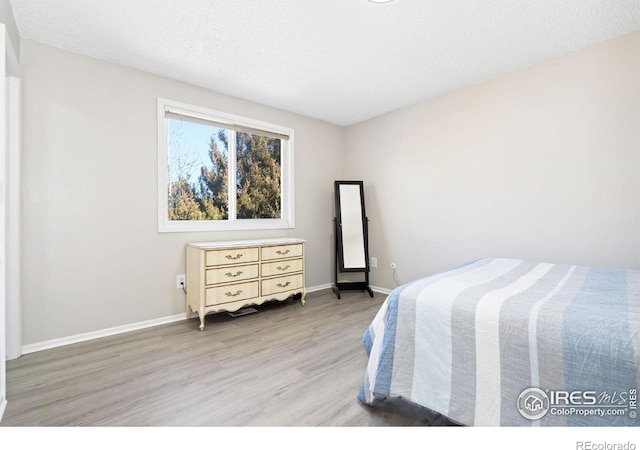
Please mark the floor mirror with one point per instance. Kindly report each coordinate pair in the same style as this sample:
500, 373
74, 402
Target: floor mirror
351, 238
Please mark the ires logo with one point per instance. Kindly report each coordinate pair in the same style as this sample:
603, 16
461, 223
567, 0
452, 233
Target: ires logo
575, 398
535, 403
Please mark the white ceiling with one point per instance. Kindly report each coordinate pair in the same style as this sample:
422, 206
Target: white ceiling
342, 61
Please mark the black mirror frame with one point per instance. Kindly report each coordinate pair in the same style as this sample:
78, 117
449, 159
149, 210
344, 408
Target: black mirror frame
339, 250
341, 263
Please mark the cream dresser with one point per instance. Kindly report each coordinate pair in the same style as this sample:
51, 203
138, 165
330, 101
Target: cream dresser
229, 275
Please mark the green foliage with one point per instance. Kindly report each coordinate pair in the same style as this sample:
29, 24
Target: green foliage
182, 202
258, 179
258, 182
214, 183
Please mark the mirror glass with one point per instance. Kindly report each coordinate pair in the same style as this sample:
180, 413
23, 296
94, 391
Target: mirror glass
352, 226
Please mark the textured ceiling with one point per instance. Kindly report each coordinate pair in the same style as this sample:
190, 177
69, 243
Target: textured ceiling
342, 61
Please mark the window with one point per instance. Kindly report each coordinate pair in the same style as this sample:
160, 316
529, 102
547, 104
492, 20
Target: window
218, 171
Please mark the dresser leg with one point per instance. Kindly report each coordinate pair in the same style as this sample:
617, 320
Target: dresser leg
304, 293
201, 314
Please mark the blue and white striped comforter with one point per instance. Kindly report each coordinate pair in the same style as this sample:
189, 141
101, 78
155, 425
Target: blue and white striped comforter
468, 342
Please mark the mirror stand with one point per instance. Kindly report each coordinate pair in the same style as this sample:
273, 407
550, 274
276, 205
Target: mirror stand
351, 237
348, 285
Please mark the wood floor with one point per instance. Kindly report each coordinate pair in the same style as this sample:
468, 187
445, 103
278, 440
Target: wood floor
286, 365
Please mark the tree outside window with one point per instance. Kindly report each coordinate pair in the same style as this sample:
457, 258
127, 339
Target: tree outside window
220, 172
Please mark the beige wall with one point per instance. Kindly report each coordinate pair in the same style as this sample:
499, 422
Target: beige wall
543, 164
92, 256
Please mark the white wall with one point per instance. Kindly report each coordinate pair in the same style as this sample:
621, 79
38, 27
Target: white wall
6, 18
9, 194
92, 256
3, 208
541, 164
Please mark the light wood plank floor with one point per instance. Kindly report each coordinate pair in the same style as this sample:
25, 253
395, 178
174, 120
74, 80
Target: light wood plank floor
286, 365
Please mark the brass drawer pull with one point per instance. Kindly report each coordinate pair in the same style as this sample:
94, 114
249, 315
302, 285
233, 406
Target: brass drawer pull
283, 268
229, 294
280, 252
229, 274
238, 256
283, 285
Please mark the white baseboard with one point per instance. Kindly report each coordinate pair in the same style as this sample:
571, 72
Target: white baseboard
320, 287
53, 343
381, 290
330, 286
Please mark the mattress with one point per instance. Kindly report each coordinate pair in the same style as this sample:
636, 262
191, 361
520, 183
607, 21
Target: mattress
510, 342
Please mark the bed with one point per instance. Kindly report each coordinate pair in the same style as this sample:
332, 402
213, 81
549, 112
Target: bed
509, 342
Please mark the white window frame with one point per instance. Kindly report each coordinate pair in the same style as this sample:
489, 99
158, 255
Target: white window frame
287, 219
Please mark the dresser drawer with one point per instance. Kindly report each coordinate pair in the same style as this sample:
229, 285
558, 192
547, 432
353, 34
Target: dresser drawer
231, 274
232, 293
231, 256
281, 251
282, 267
282, 284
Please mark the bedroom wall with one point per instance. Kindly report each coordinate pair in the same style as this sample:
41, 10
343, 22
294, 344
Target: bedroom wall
541, 164
9, 202
92, 256
6, 18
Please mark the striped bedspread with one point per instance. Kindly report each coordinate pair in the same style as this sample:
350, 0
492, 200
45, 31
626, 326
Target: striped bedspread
507, 342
